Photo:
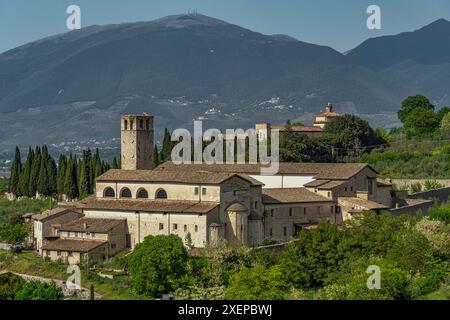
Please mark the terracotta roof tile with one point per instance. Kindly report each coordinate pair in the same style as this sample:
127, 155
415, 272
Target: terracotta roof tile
72, 245
92, 225
321, 171
144, 205
182, 176
366, 204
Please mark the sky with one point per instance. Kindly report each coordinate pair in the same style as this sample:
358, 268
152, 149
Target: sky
340, 24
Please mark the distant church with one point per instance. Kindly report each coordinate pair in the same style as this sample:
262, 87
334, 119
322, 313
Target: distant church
313, 131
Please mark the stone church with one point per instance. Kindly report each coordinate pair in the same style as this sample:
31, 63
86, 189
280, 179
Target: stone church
202, 203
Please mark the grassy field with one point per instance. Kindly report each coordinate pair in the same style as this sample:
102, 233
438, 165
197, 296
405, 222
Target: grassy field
28, 263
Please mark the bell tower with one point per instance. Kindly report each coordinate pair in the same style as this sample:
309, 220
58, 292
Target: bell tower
137, 142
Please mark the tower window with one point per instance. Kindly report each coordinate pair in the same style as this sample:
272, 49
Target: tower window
141, 124
126, 124
147, 124
131, 124
290, 212
142, 194
109, 193
161, 194
125, 193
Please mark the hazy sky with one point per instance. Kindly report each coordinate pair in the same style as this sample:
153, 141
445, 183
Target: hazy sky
340, 24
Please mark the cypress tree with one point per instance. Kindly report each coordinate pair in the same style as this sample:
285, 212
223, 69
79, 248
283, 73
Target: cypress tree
156, 156
61, 174
25, 176
43, 183
36, 166
52, 175
70, 180
115, 164
82, 182
16, 170
166, 147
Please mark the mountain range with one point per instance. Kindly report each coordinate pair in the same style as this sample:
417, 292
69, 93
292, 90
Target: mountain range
71, 88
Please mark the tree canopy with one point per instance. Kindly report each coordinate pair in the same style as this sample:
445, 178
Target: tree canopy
411, 103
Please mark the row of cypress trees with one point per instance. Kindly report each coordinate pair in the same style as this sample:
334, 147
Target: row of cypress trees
72, 176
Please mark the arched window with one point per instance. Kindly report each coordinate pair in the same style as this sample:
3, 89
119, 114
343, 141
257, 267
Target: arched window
142, 194
109, 193
125, 193
161, 194
126, 124
141, 124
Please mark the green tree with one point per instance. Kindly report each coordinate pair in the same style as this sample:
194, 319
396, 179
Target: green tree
16, 171
13, 233
445, 122
43, 181
442, 113
115, 164
411, 103
420, 121
301, 148
258, 283
36, 290
156, 160
70, 180
352, 284
350, 135
61, 173
308, 261
157, 265
24, 179
10, 284
166, 147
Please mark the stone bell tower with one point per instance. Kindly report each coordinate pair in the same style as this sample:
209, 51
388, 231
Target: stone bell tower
137, 142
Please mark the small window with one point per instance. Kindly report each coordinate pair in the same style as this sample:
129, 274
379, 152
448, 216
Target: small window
329, 194
196, 228
196, 191
271, 213
147, 124
175, 226
285, 231
290, 212
351, 188
141, 124
161, 226
270, 232
345, 188
185, 227
109, 193
304, 211
126, 124
161, 194
125, 193
142, 194
256, 205
203, 191
131, 124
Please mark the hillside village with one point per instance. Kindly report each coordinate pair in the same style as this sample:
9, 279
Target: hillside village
206, 203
